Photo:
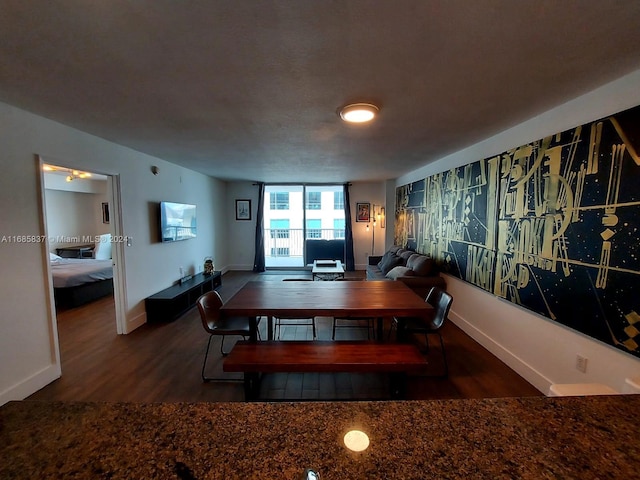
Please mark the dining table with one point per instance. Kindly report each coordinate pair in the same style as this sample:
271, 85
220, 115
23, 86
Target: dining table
375, 299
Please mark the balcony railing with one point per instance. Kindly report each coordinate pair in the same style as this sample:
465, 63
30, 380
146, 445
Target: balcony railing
285, 246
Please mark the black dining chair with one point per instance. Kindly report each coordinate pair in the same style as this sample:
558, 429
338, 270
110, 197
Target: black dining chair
441, 302
281, 321
354, 322
215, 324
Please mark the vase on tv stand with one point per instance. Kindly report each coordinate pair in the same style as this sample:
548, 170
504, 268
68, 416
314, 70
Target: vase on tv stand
209, 267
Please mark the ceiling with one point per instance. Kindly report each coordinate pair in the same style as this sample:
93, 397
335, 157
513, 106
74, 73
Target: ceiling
248, 90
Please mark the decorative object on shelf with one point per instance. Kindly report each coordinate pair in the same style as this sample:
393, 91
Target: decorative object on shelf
209, 267
185, 279
243, 209
363, 212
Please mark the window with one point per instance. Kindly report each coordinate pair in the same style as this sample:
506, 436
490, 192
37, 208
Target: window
314, 228
338, 228
296, 214
314, 201
279, 228
279, 200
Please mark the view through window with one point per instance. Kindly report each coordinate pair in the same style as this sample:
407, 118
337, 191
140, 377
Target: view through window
295, 213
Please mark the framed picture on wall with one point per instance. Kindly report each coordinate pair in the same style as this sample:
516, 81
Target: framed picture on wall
105, 212
363, 212
243, 209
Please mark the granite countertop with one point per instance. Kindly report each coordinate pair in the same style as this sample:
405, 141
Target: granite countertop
529, 438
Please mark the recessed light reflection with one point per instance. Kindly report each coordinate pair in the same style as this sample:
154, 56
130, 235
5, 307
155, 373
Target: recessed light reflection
356, 440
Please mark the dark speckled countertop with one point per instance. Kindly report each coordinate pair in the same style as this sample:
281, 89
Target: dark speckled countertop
529, 438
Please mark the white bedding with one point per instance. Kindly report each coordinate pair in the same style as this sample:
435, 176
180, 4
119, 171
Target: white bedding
71, 272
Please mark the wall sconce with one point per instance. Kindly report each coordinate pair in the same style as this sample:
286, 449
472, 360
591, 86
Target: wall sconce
383, 221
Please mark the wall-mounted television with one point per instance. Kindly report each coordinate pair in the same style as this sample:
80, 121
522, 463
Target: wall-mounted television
177, 221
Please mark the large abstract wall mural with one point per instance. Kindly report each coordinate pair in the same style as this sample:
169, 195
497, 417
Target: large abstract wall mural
552, 226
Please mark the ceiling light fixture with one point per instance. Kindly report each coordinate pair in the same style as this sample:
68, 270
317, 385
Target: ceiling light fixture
70, 174
358, 112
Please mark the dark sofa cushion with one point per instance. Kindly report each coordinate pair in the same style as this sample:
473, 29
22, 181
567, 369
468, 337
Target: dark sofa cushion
405, 255
388, 263
384, 258
421, 265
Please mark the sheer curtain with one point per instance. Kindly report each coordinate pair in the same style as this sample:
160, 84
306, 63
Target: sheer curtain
258, 261
349, 261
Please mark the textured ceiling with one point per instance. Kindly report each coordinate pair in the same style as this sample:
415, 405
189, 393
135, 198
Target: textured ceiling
249, 89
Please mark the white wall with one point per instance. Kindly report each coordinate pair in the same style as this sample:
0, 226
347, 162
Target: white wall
241, 233
74, 207
363, 245
72, 215
542, 351
27, 332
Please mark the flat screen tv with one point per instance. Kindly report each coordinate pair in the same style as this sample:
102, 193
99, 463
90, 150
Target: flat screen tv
177, 221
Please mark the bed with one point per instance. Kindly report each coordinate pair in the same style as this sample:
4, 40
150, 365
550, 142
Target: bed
77, 281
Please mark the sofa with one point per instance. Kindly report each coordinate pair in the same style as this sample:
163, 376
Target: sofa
419, 272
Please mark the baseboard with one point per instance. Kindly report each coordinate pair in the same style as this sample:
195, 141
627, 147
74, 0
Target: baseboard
243, 268
514, 362
27, 387
136, 322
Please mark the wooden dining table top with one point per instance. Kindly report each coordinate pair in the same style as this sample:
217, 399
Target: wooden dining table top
326, 298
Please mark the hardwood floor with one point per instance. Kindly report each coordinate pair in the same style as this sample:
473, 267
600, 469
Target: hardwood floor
161, 363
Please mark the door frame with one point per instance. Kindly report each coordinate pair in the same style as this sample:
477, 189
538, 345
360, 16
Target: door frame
117, 248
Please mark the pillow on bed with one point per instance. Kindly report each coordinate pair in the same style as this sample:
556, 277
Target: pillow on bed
53, 257
103, 248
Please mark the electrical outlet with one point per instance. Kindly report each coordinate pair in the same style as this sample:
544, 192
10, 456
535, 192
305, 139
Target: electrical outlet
581, 363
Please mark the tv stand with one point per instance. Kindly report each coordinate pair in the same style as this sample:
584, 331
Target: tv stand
171, 303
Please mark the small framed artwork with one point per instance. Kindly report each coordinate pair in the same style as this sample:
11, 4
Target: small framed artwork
363, 212
105, 212
243, 209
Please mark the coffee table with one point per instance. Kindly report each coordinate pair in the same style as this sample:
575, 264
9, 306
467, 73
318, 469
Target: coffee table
327, 269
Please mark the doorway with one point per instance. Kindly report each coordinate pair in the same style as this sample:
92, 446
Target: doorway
80, 219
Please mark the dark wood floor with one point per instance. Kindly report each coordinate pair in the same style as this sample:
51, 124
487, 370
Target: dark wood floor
161, 363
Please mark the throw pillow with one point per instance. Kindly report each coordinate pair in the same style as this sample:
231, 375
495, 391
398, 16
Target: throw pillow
389, 263
421, 265
399, 271
406, 255
384, 258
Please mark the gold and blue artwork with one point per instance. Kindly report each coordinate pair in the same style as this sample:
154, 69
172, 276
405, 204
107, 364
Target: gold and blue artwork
551, 226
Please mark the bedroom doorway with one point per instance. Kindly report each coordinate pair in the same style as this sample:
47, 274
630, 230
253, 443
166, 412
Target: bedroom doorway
80, 217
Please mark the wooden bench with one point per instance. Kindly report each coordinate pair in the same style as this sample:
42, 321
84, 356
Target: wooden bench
254, 358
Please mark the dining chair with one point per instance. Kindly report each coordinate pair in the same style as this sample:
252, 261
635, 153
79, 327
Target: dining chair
285, 320
354, 322
215, 324
441, 302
